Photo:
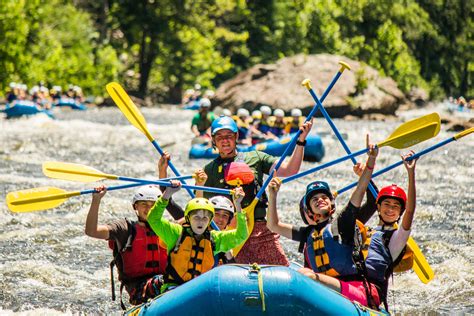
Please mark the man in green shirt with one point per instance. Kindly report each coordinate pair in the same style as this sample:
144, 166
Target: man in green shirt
203, 119
262, 246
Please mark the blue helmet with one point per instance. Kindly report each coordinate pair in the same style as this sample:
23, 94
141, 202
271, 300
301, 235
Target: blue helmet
316, 187
223, 122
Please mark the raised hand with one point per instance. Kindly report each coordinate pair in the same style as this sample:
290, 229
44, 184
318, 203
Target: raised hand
238, 195
274, 186
305, 129
200, 177
175, 187
411, 164
373, 149
163, 164
101, 190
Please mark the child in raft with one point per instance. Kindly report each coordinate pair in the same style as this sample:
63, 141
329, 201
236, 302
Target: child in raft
192, 247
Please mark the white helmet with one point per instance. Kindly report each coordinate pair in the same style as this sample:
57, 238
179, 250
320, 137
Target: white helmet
147, 193
222, 203
243, 112
279, 113
13, 85
226, 112
197, 86
209, 93
296, 113
205, 103
266, 110
57, 88
257, 114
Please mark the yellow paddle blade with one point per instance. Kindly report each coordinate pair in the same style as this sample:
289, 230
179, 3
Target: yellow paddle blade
37, 199
128, 108
414, 132
74, 172
420, 265
249, 210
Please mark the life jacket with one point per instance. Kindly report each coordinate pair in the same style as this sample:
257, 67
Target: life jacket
242, 126
278, 128
293, 126
264, 125
141, 257
327, 255
190, 258
250, 190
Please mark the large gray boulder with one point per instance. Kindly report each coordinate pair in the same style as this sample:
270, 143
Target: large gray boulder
362, 90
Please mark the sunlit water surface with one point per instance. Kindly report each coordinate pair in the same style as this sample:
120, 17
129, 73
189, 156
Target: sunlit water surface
48, 266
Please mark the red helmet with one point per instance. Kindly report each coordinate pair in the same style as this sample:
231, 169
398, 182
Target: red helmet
392, 191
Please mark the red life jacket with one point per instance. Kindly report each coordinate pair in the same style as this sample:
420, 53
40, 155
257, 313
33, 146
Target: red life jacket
142, 256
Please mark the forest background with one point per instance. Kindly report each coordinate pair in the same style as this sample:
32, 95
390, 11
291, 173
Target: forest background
159, 48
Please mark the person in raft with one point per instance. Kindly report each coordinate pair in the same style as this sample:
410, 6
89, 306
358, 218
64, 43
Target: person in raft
386, 244
138, 254
185, 260
262, 246
224, 213
329, 243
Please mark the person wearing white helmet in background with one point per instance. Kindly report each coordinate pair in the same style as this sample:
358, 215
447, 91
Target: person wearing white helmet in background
243, 123
56, 92
202, 121
226, 112
187, 96
12, 95
139, 254
295, 121
261, 130
22, 91
278, 125
197, 92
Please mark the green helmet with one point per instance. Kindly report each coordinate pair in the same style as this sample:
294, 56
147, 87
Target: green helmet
198, 204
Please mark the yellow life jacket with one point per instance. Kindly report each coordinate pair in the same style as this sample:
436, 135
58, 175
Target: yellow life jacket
190, 258
292, 126
322, 259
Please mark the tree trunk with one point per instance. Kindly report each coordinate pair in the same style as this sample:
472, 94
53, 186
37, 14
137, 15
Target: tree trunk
148, 52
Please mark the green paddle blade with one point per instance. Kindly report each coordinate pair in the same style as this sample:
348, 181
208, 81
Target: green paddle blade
37, 199
74, 172
414, 132
128, 108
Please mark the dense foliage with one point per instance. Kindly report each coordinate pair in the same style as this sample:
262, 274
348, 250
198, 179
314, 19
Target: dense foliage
161, 47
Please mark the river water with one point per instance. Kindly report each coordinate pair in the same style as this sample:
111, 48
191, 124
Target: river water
48, 265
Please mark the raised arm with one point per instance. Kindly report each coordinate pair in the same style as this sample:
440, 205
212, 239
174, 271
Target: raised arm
292, 166
411, 198
173, 208
273, 222
92, 228
358, 194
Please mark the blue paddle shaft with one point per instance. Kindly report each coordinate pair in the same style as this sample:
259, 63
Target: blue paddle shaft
295, 137
336, 131
392, 166
327, 164
173, 168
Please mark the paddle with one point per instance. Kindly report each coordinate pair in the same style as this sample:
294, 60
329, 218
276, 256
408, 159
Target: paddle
251, 208
416, 155
424, 121
134, 116
82, 173
43, 198
404, 136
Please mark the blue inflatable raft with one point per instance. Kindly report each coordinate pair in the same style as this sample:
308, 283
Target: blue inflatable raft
252, 290
72, 103
24, 107
314, 149
192, 105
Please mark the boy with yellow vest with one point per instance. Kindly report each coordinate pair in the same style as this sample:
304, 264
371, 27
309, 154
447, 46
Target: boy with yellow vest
192, 247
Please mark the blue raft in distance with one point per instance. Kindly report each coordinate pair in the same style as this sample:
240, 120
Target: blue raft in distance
314, 149
235, 290
72, 103
24, 107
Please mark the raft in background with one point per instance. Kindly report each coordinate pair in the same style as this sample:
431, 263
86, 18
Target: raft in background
252, 290
72, 103
314, 149
24, 107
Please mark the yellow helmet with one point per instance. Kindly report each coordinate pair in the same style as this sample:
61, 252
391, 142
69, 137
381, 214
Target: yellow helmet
198, 204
